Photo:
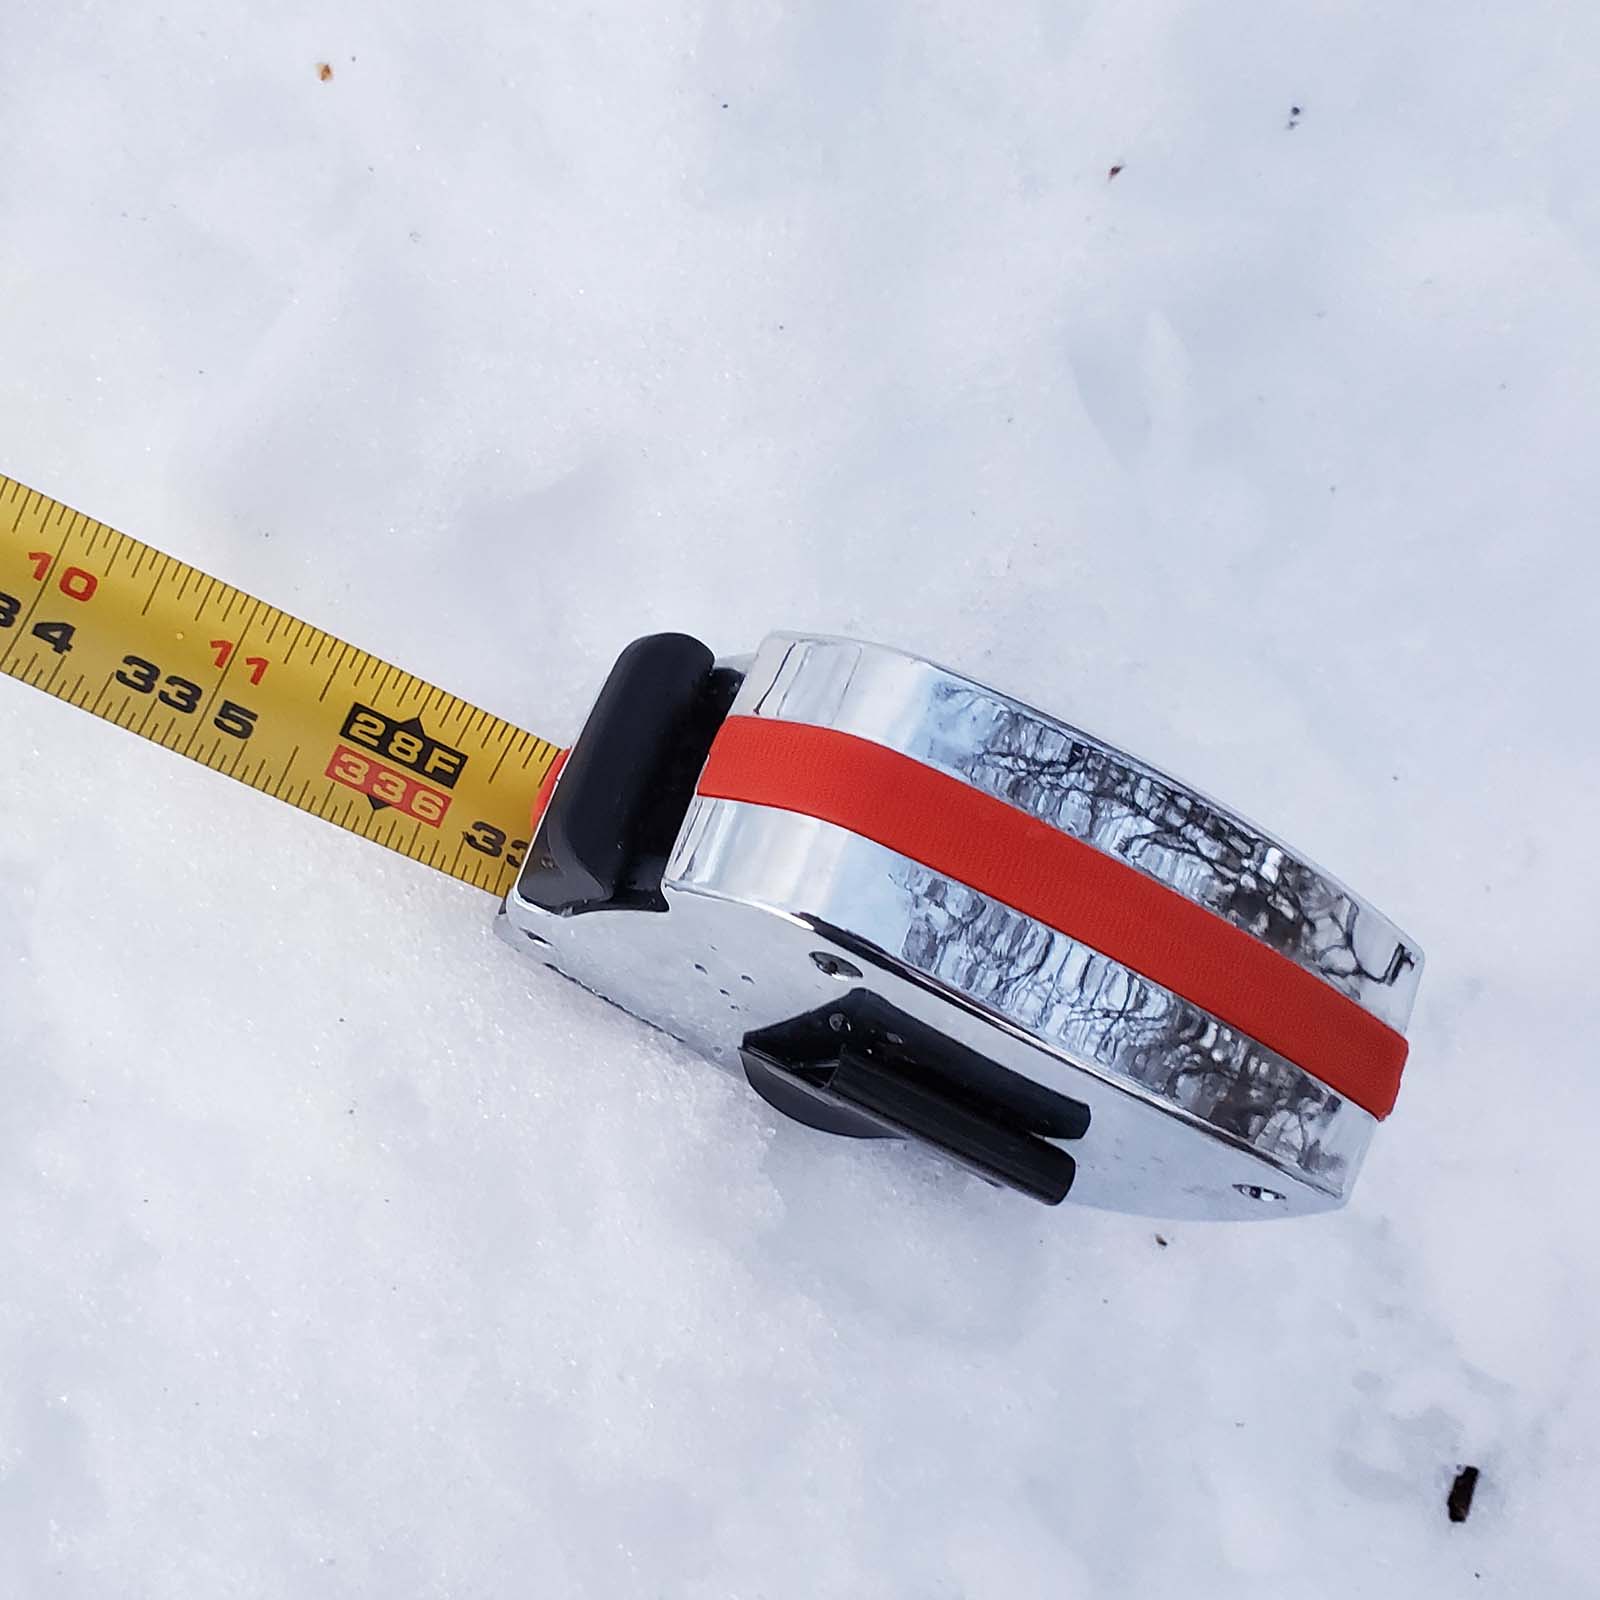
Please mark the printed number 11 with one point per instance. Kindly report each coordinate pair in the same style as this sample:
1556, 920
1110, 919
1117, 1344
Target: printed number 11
256, 664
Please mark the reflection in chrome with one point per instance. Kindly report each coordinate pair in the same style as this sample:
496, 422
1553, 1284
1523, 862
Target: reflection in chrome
1098, 794
1103, 1014
1176, 837
1037, 1001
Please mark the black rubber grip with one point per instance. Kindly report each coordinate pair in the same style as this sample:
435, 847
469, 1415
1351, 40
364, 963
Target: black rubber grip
604, 839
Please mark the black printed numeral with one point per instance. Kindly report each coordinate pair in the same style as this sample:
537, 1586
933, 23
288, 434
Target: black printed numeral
180, 694
183, 695
489, 840
138, 674
58, 635
234, 719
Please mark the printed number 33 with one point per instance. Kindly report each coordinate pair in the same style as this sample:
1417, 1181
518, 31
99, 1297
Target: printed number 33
491, 841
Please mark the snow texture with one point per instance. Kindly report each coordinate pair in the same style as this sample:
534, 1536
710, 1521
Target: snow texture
344, 1254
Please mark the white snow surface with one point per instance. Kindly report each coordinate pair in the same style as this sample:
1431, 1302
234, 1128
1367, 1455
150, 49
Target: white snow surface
342, 1253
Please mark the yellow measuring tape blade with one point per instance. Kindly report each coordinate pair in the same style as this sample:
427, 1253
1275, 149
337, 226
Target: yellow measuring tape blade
114, 627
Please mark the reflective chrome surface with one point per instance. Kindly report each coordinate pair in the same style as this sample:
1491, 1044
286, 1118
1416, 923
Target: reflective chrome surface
1189, 1118
1089, 1014
1096, 793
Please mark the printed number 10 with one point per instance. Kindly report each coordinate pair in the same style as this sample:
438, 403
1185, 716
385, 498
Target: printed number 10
74, 582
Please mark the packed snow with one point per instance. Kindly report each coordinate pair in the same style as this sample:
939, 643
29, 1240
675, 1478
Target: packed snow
1218, 376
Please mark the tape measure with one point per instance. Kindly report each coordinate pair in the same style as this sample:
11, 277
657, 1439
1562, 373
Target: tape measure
161, 649
900, 903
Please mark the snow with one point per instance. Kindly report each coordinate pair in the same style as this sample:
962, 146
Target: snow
343, 1254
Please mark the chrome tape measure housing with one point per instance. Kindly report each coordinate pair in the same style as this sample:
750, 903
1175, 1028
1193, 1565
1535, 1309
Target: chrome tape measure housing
867, 991
901, 903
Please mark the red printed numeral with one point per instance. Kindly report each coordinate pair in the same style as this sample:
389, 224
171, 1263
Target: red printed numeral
256, 664
74, 583
369, 777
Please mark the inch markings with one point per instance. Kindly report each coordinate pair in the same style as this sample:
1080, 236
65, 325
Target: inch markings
114, 627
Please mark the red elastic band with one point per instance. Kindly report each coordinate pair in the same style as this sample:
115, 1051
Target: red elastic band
962, 833
546, 789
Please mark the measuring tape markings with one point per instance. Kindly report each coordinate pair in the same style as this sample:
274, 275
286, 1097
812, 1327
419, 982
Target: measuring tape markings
203, 669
